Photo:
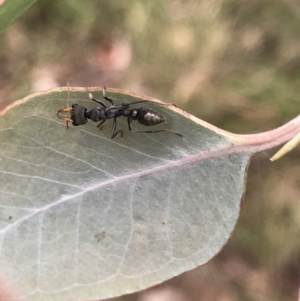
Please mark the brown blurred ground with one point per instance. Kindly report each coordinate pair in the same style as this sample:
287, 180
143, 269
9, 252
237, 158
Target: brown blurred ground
233, 63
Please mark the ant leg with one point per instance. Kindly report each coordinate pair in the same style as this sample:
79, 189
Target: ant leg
96, 100
99, 125
114, 133
114, 129
158, 131
135, 102
107, 98
129, 120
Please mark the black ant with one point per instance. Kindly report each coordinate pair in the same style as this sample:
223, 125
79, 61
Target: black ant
145, 116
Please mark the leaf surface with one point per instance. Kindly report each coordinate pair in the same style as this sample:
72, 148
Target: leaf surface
85, 217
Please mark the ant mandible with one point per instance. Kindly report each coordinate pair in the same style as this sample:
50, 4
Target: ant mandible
145, 116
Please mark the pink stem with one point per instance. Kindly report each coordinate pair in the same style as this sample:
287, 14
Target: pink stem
270, 139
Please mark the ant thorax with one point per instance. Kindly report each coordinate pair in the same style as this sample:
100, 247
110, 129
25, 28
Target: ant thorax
96, 114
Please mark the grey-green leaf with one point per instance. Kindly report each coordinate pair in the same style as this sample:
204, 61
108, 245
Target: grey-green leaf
11, 9
85, 217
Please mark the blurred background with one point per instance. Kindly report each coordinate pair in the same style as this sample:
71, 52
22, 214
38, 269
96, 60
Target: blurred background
233, 63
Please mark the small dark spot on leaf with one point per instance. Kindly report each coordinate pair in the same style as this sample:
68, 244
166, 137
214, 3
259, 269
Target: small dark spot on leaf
99, 236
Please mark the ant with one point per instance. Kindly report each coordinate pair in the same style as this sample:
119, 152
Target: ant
145, 116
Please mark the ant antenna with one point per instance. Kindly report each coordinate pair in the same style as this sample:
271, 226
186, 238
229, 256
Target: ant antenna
67, 109
68, 100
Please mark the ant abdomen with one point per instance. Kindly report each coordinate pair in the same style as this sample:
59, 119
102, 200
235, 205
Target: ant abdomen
147, 116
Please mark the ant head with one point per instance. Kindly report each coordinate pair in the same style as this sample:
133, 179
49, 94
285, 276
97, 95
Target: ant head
78, 113
78, 116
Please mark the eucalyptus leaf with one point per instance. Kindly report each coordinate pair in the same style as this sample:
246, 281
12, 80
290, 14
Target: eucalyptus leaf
11, 9
86, 217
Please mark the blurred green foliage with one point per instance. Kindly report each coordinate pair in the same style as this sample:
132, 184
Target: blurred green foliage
10, 10
234, 63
